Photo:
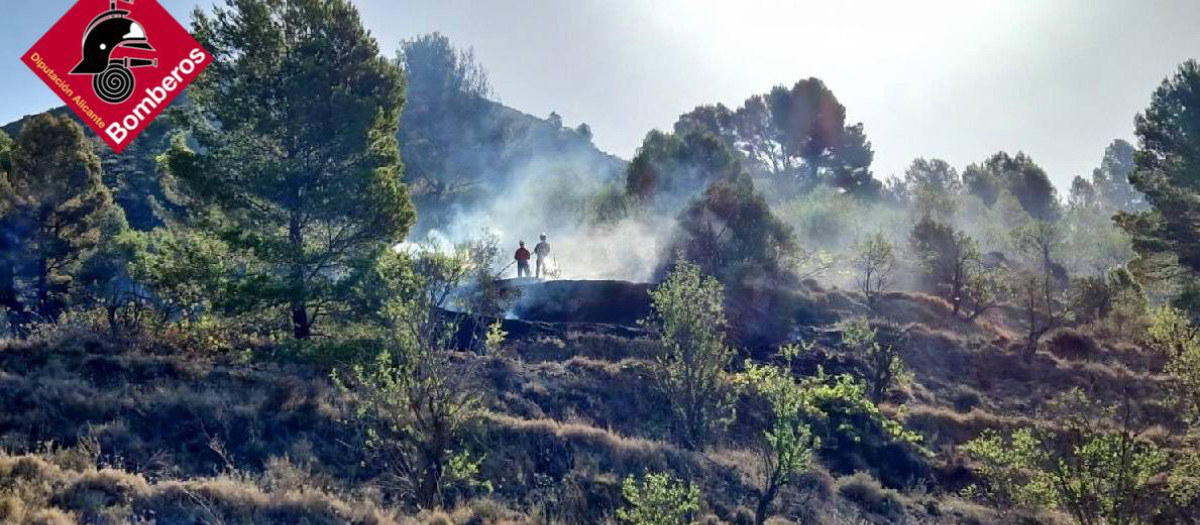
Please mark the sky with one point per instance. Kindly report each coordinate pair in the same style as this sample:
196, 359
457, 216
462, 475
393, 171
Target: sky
957, 80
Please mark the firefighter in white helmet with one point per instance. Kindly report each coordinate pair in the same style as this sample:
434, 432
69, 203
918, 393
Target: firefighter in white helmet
542, 250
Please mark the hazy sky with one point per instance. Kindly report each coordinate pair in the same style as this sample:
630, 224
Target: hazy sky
958, 79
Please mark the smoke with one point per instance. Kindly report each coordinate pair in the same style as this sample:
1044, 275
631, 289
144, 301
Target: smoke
557, 195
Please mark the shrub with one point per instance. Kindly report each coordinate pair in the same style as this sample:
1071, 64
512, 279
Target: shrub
688, 316
659, 499
875, 264
788, 444
864, 491
884, 368
1097, 474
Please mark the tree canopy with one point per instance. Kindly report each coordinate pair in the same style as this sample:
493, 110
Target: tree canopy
1020, 176
798, 134
296, 122
54, 211
1167, 170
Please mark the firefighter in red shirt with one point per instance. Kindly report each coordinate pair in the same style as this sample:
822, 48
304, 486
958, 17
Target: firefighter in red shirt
522, 258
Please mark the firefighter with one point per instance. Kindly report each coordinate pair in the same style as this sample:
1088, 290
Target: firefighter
542, 250
522, 258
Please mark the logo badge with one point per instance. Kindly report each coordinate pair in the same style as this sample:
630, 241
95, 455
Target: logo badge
117, 64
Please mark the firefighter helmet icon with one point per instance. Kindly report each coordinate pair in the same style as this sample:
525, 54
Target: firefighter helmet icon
110, 30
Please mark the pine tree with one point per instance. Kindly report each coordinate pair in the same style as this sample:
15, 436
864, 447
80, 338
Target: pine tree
1167, 171
297, 119
54, 211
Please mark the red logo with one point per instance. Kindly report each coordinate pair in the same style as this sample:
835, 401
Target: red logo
117, 64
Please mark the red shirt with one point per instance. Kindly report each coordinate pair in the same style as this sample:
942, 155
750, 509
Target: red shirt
522, 254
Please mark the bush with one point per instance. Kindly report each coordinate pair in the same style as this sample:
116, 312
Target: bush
689, 317
659, 499
865, 492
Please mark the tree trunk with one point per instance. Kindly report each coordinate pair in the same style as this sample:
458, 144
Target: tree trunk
17, 315
44, 308
301, 326
429, 493
764, 505
301, 323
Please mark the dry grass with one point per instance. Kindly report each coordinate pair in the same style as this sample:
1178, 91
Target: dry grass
37, 491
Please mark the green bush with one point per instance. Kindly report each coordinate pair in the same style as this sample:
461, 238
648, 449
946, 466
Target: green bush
659, 499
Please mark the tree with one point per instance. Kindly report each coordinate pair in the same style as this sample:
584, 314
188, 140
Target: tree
1040, 286
188, 273
690, 367
731, 228
413, 397
1021, 176
1092, 243
670, 169
584, 130
440, 75
659, 499
951, 263
882, 362
1096, 297
986, 288
798, 135
1177, 338
1111, 179
875, 262
788, 443
932, 185
1097, 475
55, 213
850, 165
296, 122
1165, 170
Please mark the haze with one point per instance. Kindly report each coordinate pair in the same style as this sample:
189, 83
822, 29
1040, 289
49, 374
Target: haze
957, 80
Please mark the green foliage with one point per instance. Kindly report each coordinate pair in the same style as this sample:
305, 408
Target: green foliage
931, 186
437, 73
1008, 465
1165, 171
659, 499
55, 212
1111, 179
188, 273
875, 264
414, 394
670, 168
106, 281
1096, 474
798, 135
1176, 337
1113, 299
952, 265
1092, 243
690, 368
823, 218
788, 443
885, 369
296, 123
1018, 175
495, 337
730, 230
847, 415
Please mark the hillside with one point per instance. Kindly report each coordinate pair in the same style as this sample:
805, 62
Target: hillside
351, 288
99, 429
453, 159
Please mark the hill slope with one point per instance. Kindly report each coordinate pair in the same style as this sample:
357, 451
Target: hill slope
453, 158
